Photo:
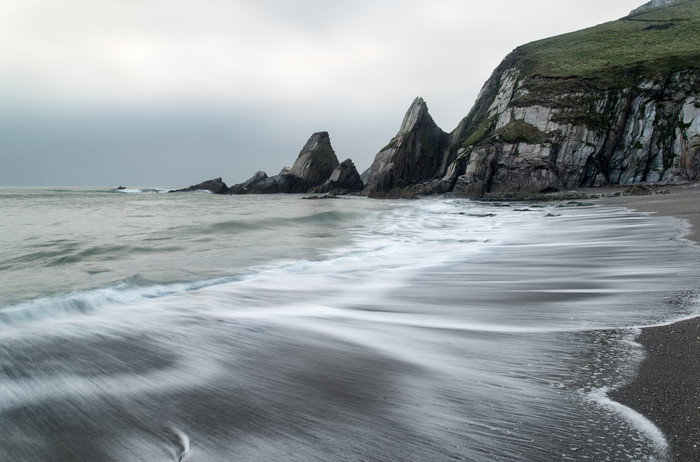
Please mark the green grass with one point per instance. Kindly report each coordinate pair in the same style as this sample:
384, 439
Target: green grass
519, 131
652, 43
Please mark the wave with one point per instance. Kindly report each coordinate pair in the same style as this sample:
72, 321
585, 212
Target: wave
89, 301
644, 425
328, 219
69, 252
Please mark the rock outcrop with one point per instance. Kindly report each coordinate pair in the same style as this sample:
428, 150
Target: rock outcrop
316, 169
652, 4
316, 161
248, 185
645, 132
216, 186
344, 179
414, 155
556, 114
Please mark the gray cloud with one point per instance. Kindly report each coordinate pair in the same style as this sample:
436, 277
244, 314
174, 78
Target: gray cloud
172, 92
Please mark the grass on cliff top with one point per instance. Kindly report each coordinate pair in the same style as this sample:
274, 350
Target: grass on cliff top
654, 42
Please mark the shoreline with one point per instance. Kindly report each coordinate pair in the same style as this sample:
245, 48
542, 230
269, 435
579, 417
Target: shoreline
666, 387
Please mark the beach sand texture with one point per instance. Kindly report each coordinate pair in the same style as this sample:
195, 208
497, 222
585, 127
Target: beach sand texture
667, 386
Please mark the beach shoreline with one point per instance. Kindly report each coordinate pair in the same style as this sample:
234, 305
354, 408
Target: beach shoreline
665, 389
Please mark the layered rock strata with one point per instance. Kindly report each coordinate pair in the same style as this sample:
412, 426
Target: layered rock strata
416, 154
530, 133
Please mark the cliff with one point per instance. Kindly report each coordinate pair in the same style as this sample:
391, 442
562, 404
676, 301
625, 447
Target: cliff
618, 103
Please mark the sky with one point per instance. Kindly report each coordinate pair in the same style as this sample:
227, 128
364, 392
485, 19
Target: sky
173, 92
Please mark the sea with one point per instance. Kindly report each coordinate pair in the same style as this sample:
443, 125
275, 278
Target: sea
142, 325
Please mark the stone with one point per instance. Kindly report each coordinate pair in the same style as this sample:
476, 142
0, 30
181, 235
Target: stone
216, 186
414, 155
316, 161
651, 4
246, 186
344, 179
314, 166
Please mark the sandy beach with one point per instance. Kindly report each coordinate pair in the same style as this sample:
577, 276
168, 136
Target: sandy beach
666, 389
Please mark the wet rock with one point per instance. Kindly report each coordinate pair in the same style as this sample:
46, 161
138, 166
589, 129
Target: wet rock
344, 179
216, 186
413, 157
245, 187
314, 166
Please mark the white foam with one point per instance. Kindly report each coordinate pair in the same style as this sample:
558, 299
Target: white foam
641, 423
185, 443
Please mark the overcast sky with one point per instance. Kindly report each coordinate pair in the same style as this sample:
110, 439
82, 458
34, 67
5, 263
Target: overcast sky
173, 92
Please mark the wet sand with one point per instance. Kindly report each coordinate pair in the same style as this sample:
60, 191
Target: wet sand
667, 387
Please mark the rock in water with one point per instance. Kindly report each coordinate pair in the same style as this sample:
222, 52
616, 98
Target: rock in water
216, 186
247, 186
344, 179
314, 166
414, 155
316, 161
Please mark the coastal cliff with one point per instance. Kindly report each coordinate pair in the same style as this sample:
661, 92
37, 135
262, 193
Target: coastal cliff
615, 104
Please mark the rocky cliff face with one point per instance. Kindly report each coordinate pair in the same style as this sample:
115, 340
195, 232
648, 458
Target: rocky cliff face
559, 114
646, 132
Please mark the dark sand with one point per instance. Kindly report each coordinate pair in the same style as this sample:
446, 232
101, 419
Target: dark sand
667, 387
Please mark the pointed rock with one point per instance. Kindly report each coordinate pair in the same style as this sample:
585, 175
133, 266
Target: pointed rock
414, 155
316, 161
344, 179
313, 167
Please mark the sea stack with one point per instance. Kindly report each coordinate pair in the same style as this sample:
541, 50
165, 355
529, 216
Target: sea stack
413, 156
316, 169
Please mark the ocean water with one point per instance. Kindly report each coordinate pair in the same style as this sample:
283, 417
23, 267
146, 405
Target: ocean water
145, 326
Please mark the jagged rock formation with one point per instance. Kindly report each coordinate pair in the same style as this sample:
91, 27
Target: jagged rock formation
246, 186
646, 132
557, 114
216, 186
316, 169
414, 155
316, 161
343, 180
